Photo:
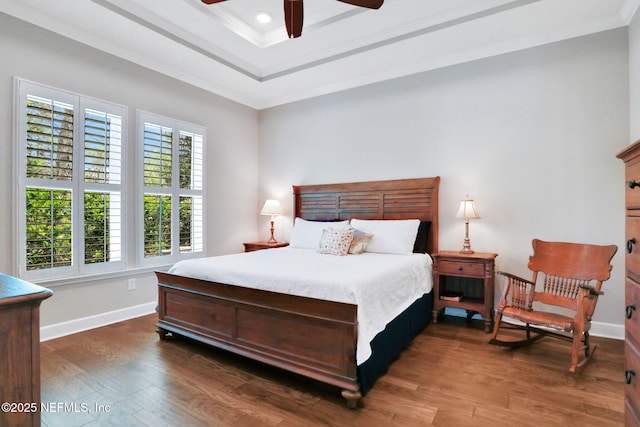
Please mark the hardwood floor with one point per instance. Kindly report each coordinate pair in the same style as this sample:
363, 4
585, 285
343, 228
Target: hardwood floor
124, 375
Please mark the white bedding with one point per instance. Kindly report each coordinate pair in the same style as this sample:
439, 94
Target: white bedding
382, 285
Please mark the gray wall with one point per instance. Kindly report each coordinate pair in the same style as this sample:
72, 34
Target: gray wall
232, 131
531, 135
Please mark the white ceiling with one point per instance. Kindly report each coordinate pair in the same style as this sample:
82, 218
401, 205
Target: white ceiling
221, 48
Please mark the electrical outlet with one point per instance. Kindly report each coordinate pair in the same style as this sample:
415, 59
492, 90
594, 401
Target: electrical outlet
132, 284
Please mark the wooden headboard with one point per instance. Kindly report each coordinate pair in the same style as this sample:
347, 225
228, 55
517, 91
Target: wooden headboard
394, 199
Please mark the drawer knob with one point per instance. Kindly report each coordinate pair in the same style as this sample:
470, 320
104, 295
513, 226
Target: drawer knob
629, 310
460, 268
630, 244
633, 184
628, 375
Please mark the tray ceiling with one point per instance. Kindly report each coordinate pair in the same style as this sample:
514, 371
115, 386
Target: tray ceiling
224, 49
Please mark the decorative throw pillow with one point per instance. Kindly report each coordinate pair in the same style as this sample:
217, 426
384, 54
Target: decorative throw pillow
359, 242
335, 242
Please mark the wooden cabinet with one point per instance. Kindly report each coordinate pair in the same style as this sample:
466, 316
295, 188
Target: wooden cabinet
256, 246
464, 281
20, 351
631, 158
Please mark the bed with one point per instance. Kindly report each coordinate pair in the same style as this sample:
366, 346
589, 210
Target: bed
310, 336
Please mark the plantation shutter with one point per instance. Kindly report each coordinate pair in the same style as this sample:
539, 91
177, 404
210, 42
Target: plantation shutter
69, 183
158, 142
102, 195
49, 160
191, 178
172, 182
49, 139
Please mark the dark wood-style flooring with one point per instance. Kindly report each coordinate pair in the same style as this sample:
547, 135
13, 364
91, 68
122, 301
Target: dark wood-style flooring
123, 375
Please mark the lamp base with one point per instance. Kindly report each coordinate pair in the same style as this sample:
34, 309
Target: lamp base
466, 246
272, 239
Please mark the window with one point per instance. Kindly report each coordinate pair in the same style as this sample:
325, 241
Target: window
172, 176
71, 188
70, 183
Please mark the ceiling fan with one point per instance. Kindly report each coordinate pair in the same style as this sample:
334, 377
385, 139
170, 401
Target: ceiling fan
293, 12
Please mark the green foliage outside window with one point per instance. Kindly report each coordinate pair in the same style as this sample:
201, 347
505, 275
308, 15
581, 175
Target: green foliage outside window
48, 227
186, 144
157, 225
186, 226
96, 227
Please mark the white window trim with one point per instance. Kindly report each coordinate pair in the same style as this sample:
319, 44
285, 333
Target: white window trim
77, 269
98, 268
175, 192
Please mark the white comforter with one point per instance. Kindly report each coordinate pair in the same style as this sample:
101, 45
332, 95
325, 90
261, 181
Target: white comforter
381, 285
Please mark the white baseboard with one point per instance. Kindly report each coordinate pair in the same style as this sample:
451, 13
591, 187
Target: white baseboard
607, 330
598, 329
62, 329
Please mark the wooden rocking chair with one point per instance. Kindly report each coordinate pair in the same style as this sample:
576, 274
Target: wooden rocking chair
571, 277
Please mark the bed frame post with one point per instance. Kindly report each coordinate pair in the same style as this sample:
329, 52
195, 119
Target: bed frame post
352, 398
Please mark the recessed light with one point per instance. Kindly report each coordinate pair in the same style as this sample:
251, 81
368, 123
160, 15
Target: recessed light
263, 17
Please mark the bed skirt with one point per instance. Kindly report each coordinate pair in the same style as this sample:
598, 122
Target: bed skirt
398, 334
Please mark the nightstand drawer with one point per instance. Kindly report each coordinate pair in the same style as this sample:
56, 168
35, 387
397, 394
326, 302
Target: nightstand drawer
471, 269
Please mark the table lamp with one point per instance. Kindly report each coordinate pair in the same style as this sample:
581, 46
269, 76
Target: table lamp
467, 210
272, 207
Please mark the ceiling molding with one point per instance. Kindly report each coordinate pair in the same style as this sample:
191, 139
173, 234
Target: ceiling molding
162, 26
236, 25
628, 10
400, 38
342, 46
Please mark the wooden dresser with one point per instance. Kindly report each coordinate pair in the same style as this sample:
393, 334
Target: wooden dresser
631, 158
20, 351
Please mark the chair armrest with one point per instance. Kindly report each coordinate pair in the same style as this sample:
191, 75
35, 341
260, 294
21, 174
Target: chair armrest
514, 277
592, 291
520, 290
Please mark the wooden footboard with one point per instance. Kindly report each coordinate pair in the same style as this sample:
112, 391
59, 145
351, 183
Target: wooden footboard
311, 337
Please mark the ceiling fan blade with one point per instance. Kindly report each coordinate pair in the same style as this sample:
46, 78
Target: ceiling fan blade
371, 4
293, 17
212, 1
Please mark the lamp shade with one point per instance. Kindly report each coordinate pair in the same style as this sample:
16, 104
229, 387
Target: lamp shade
271, 207
467, 209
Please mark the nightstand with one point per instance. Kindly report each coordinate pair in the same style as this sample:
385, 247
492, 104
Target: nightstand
256, 246
466, 281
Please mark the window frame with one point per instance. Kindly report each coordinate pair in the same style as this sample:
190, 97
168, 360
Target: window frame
77, 184
177, 126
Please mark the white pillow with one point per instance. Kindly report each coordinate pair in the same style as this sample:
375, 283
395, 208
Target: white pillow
307, 234
389, 236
